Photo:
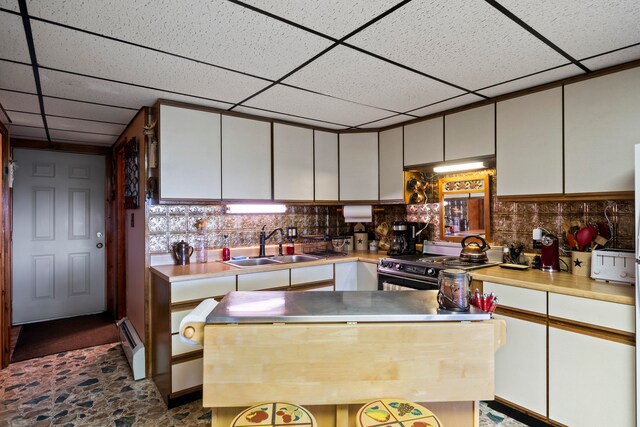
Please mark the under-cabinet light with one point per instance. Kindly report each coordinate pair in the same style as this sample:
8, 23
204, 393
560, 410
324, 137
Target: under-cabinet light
459, 167
255, 209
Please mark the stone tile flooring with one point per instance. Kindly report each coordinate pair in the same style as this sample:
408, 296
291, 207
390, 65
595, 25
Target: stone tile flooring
94, 387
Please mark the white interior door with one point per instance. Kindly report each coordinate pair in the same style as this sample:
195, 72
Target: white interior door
58, 235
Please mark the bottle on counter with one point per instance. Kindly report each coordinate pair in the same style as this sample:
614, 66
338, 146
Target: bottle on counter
201, 241
226, 253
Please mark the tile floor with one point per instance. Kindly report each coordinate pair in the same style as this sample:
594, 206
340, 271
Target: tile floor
94, 387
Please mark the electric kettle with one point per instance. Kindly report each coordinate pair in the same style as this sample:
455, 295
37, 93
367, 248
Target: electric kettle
181, 252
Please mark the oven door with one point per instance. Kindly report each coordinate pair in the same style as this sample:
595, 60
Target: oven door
392, 282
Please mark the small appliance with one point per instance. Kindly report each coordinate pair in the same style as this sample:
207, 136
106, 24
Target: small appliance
549, 249
404, 237
613, 265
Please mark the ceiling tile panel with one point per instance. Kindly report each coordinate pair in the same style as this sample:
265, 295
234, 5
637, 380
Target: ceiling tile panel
535, 80
55, 83
88, 138
613, 58
284, 99
335, 18
27, 132
10, 4
26, 119
285, 117
387, 122
84, 126
17, 77
13, 43
445, 105
70, 50
348, 74
19, 101
83, 110
582, 28
216, 32
467, 43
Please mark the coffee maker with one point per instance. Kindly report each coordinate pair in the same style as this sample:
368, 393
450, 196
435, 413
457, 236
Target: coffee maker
403, 238
549, 249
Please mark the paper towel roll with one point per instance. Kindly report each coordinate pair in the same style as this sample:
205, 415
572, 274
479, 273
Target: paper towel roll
197, 315
357, 213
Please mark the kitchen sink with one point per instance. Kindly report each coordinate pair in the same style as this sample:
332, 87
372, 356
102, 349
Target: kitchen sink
282, 259
252, 262
295, 258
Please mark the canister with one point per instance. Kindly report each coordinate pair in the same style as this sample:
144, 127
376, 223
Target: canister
361, 241
454, 293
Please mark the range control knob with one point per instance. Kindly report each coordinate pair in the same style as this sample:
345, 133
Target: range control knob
399, 267
431, 272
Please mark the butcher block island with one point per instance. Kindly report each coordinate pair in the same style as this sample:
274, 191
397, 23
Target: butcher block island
331, 352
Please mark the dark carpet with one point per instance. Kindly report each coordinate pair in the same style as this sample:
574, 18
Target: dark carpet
55, 336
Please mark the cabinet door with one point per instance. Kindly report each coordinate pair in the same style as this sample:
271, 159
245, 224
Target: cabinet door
367, 276
264, 280
314, 274
246, 159
591, 380
601, 124
292, 163
470, 133
359, 166
326, 165
391, 162
424, 142
529, 144
346, 276
521, 364
189, 154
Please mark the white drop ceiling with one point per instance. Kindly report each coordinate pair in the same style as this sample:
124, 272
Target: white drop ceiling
333, 64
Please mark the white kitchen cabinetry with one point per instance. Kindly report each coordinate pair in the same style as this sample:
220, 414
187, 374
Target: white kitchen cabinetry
521, 364
529, 144
264, 280
424, 142
189, 154
246, 159
326, 165
591, 371
601, 127
346, 276
367, 276
470, 133
359, 166
292, 162
315, 278
391, 163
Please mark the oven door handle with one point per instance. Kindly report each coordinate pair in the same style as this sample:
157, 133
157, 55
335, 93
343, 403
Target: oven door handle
410, 276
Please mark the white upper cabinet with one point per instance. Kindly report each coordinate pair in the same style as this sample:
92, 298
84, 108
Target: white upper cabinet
529, 144
326, 165
292, 162
246, 159
424, 142
391, 173
602, 124
189, 154
359, 166
470, 133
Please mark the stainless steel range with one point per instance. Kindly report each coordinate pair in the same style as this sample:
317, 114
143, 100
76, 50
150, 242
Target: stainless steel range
420, 271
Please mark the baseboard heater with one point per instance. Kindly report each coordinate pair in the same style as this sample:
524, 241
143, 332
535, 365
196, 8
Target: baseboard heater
133, 347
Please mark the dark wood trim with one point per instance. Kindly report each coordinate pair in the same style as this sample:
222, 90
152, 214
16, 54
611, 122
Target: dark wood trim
516, 94
179, 398
595, 331
312, 285
158, 353
60, 146
5, 257
186, 357
522, 409
517, 313
613, 195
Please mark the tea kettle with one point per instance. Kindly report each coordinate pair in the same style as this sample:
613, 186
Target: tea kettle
473, 252
181, 252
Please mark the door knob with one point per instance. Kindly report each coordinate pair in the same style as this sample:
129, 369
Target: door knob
99, 245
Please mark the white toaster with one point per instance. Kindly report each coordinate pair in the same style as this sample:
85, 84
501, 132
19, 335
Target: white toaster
613, 265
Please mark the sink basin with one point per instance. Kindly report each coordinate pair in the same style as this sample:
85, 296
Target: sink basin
295, 258
252, 262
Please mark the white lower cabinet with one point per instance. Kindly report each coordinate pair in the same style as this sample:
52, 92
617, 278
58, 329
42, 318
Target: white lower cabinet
346, 276
591, 380
521, 365
264, 280
315, 278
367, 276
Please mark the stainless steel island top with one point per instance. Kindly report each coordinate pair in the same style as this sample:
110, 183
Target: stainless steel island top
327, 307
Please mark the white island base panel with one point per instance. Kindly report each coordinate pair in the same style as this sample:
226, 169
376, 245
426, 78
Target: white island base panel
332, 369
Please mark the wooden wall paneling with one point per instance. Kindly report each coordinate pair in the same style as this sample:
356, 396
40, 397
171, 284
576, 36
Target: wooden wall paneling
5, 252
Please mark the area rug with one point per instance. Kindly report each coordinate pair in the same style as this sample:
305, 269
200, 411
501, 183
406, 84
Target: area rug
55, 336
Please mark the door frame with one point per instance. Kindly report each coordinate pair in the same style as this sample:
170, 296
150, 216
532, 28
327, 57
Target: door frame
5, 258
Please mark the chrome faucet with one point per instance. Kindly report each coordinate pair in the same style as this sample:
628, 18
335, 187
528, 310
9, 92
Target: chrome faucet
264, 237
